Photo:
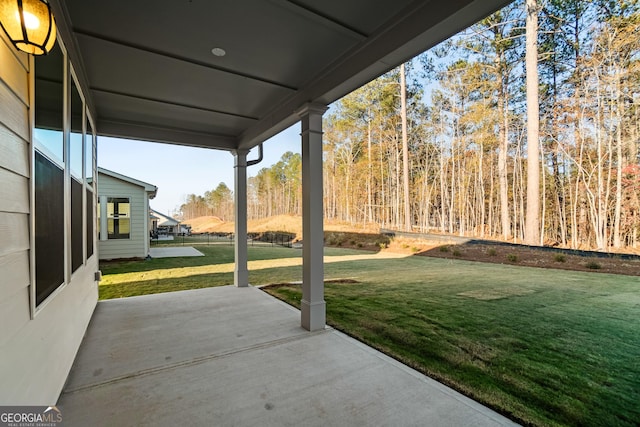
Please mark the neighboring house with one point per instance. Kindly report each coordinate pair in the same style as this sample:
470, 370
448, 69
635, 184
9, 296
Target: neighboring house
153, 223
164, 224
123, 215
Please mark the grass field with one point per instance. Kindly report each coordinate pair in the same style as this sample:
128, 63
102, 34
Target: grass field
545, 347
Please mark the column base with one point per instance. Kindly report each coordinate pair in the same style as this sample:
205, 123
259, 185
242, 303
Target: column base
241, 278
314, 315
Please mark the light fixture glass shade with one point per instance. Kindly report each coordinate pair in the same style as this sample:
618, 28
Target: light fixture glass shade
29, 24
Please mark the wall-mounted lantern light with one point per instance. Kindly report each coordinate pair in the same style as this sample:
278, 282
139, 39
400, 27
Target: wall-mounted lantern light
29, 24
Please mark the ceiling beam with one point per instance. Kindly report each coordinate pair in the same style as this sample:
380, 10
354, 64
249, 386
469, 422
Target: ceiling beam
172, 103
182, 59
154, 133
318, 16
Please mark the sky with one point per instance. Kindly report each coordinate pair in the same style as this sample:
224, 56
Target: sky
178, 171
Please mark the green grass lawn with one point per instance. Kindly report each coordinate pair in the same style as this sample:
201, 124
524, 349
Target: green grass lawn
132, 278
544, 347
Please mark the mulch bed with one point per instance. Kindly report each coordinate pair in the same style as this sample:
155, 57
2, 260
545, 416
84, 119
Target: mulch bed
532, 257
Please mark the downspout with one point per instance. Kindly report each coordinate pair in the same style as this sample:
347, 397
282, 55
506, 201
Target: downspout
258, 160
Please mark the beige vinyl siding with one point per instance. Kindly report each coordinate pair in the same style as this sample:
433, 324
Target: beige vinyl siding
136, 246
36, 351
14, 194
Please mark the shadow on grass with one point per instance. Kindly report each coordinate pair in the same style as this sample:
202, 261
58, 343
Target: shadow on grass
212, 255
157, 286
193, 281
221, 253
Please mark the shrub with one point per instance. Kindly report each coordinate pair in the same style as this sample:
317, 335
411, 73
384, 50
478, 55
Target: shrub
592, 265
456, 252
559, 258
415, 249
492, 252
359, 245
444, 248
512, 257
382, 245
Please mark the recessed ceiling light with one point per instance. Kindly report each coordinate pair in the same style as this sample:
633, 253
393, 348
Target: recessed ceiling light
217, 51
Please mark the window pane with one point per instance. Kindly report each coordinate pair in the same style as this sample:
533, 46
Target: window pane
49, 226
124, 227
77, 255
88, 153
89, 223
49, 92
75, 154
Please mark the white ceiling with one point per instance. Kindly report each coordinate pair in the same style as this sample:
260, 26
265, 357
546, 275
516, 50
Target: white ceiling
151, 74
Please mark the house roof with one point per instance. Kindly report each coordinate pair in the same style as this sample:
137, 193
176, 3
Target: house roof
164, 220
151, 73
151, 189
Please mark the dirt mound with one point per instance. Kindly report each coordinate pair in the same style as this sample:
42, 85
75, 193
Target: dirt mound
285, 223
204, 224
278, 223
213, 224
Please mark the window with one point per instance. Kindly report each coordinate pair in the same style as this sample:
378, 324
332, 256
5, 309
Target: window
63, 203
48, 174
77, 190
49, 222
49, 102
76, 136
118, 218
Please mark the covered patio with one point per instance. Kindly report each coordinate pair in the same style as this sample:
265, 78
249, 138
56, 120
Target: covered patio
237, 356
230, 75
223, 75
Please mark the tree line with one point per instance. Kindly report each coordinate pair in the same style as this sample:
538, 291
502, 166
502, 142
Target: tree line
275, 190
455, 140
469, 132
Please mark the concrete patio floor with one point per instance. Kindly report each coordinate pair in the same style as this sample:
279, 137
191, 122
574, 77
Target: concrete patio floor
174, 251
232, 356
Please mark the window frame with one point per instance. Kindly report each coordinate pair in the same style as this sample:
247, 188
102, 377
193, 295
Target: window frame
116, 219
88, 188
36, 146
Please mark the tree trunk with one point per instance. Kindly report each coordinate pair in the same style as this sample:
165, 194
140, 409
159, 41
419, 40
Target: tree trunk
405, 148
369, 175
617, 242
503, 130
532, 222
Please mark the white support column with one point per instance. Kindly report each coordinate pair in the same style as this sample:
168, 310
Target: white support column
241, 272
312, 304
